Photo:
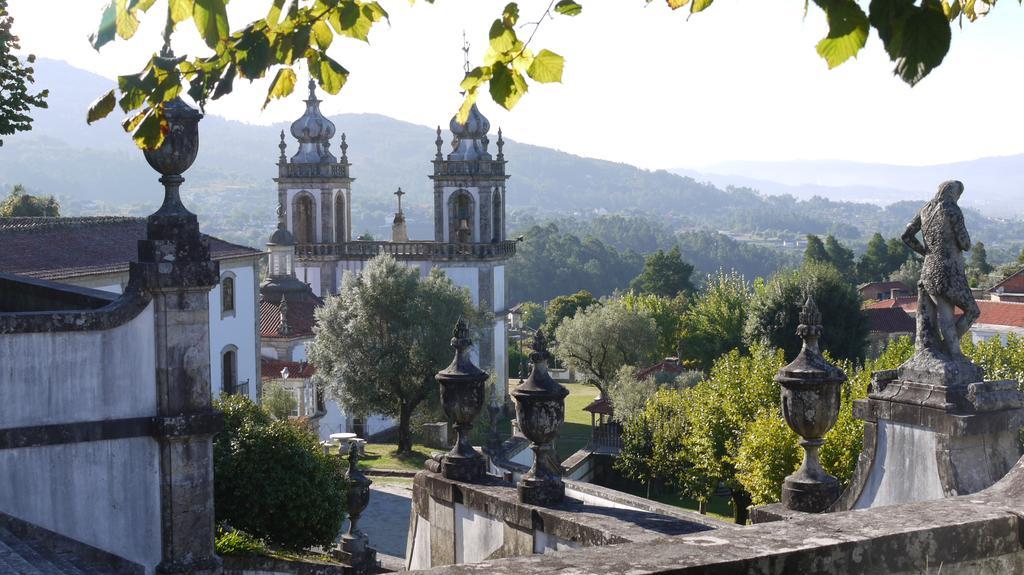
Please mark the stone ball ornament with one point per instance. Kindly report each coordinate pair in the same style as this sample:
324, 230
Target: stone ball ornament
811, 391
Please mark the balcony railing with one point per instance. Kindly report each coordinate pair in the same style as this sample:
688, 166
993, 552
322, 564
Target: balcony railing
416, 250
314, 170
474, 167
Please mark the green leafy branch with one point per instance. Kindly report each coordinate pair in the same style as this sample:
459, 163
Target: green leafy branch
290, 33
916, 35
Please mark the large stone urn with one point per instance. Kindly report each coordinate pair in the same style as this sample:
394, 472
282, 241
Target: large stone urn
462, 396
355, 550
540, 411
811, 390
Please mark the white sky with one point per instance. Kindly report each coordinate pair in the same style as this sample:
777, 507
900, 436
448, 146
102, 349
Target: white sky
642, 84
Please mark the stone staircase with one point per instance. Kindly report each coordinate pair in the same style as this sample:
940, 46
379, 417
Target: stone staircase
28, 550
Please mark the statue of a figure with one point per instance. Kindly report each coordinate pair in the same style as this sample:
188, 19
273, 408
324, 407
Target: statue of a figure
943, 286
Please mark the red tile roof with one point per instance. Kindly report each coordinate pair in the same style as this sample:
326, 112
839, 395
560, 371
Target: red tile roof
884, 287
600, 406
908, 304
890, 320
300, 318
668, 365
62, 248
271, 368
1001, 313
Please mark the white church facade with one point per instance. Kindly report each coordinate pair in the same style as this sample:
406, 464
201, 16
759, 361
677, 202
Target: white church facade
469, 243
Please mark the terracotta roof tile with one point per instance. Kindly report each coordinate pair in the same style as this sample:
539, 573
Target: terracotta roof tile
890, 320
300, 318
1001, 313
62, 248
884, 287
668, 365
271, 368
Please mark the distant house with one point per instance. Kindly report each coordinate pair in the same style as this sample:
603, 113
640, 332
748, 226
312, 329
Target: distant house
878, 291
1010, 289
669, 365
95, 252
998, 319
887, 324
906, 303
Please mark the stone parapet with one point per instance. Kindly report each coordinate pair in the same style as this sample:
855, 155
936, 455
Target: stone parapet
973, 534
455, 522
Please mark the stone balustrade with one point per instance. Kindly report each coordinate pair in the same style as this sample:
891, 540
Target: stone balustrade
469, 167
415, 250
972, 534
313, 170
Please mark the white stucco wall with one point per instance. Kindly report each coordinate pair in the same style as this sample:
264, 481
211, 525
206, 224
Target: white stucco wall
310, 275
467, 277
64, 377
905, 468
500, 304
237, 329
67, 488
984, 332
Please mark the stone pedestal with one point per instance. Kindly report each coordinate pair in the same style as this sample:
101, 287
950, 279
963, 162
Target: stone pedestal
924, 440
357, 555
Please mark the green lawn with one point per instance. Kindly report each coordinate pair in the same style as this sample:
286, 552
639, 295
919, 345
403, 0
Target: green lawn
576, 430
383, 456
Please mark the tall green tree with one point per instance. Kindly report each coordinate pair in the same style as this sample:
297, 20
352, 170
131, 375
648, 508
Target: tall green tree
20, 204
714, 322
566, 306
664, 274
979, 266
17, 98
815, 250
599, 340
667, 314
874, 264
899, 253
1020, 258
774, 312
378, 343
841, 257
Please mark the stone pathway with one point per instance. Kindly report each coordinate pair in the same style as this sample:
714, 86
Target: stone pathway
29, 556
386, 519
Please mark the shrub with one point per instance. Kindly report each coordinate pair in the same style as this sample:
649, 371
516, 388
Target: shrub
273, 481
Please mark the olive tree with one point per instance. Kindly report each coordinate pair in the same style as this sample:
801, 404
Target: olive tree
378, 344
599, 340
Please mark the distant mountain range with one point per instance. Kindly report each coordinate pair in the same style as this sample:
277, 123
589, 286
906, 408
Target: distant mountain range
97, 169
994, 186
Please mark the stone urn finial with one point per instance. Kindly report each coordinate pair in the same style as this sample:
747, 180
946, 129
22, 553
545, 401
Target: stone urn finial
176, 154
355, 550
462, 396
540, 411
810, 404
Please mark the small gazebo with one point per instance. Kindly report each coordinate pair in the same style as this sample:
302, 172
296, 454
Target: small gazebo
606, 433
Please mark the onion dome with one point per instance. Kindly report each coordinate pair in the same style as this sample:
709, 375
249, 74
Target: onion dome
470, 137
281, 237
314, 133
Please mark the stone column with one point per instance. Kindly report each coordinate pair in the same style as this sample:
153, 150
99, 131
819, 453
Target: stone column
438, 212
326, 216
175, 267
485, 214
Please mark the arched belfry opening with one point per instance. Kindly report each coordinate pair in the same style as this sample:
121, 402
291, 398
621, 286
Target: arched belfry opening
461, 217
496, 216
304, 218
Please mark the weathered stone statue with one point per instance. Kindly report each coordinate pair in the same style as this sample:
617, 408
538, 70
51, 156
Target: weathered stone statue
943, 287
935, 428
